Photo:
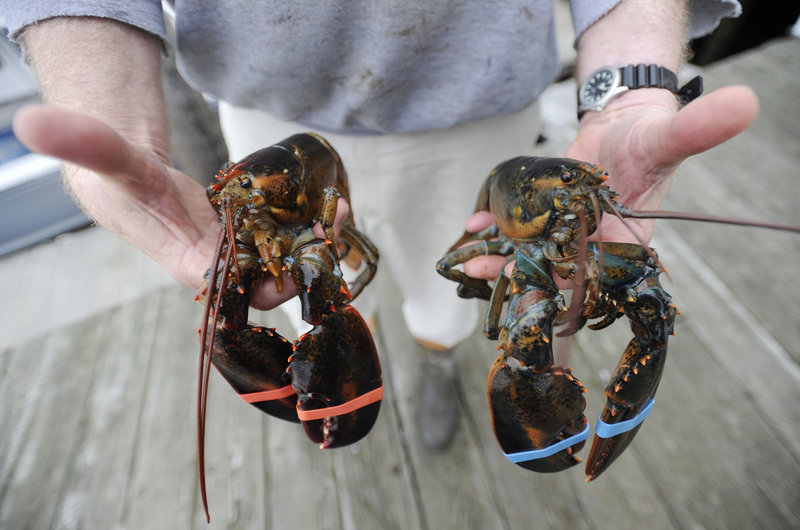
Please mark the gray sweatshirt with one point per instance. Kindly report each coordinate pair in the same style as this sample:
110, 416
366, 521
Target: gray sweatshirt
360, 66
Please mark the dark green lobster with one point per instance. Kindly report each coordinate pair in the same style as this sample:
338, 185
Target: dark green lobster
544, 210
330, 378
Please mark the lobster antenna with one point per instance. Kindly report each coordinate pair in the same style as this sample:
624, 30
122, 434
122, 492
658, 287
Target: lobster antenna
206, 342
658, 214
596, 205
207, 346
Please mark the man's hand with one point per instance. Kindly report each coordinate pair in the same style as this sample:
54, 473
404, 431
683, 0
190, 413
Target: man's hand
643, 139
132, 192
127, 189
640, 140
106, 119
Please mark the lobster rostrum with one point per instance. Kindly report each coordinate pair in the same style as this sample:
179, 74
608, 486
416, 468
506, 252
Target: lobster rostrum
329, 379
544, 210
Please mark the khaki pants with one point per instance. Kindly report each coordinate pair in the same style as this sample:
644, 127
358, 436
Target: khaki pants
410, 194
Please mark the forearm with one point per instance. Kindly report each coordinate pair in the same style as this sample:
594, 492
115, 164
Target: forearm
105, 69
114, 140
636, 31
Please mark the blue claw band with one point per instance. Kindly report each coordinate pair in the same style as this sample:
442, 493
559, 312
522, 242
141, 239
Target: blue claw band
609, 430
535, 454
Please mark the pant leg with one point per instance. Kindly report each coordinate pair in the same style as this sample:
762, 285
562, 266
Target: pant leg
410, 193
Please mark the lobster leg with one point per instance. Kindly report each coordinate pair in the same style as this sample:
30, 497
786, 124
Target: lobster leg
469, 287
536, 408
635, 380
364, 249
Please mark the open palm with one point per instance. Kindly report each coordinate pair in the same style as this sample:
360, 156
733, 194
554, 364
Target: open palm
640, 144
134, 193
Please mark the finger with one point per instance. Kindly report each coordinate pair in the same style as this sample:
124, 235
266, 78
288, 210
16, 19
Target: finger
266, 296
478, 221
484, 267
84, 141
709, 121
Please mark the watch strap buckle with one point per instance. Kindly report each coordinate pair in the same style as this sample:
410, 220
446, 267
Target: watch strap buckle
691, 90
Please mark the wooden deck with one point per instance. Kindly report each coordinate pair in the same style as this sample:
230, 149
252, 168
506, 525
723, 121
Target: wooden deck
98, 356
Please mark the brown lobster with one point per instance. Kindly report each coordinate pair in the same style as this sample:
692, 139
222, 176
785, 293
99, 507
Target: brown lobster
329, 379
544, 209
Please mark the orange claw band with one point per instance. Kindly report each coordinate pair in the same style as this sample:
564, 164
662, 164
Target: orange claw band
349, 406
268, 395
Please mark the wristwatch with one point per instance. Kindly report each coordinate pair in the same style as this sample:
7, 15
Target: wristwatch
610, 81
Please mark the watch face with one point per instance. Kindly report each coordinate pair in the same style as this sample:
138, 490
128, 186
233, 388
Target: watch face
598, 86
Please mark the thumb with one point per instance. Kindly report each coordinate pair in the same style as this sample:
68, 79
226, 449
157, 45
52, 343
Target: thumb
710, 121
85, 141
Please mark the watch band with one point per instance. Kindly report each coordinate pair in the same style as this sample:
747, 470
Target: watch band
652, 76
649, 76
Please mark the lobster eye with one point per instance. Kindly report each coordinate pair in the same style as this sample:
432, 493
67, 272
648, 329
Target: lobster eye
567, 177
246, 182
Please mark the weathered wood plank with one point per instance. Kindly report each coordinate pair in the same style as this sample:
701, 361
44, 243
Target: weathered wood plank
69, 279
93, 491
21, 373
303, 489
36, 479
739, 343
752, 176
162, 490
374, 477
453, 485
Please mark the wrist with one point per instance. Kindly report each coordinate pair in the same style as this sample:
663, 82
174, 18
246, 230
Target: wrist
635, 31
654, 99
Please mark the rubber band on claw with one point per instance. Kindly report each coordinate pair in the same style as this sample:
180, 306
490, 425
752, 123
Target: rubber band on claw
550, 450
268, 395
349, 406
609, 430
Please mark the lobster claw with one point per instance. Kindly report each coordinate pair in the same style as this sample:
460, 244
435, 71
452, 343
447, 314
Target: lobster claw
635, 380
537, 417
253, 361
626, 408
251, 358
337, 377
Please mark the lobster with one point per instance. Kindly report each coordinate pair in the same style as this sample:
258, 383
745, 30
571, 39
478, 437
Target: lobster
544, 210
329, 379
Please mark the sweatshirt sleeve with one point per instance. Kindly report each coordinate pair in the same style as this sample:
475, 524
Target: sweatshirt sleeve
704, 15
144, 14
